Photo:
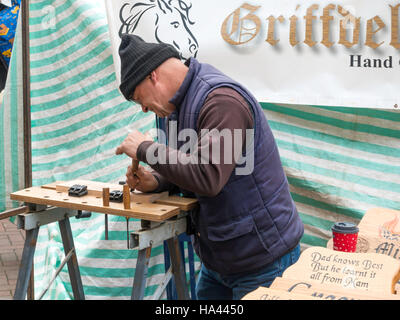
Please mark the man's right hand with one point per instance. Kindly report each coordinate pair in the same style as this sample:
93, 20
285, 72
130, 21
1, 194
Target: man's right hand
143, 181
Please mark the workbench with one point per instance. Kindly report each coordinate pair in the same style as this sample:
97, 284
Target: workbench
162, 218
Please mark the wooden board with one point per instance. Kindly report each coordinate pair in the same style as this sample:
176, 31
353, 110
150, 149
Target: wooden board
13, 212
185, 204
314, 289
379, 232
263, 293
382, 217
364, 271
139, 210
95, 188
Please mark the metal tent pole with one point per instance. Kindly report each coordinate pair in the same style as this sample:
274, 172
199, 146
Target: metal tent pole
27, 111
26, 94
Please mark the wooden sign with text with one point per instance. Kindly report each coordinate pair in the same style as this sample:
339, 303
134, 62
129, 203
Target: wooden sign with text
263, 293
380, 232
364, 271
327, 292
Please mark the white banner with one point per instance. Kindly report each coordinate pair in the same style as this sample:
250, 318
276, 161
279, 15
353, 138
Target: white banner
333, 53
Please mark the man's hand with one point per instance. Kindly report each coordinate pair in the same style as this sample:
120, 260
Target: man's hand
131, 143
143, 181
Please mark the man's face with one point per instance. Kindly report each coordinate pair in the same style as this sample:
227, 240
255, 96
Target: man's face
151, 97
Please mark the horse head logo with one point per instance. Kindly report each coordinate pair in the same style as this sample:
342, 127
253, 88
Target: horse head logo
170, 19
388, 229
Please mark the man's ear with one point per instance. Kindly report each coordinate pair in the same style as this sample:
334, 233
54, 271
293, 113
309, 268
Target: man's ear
154, 76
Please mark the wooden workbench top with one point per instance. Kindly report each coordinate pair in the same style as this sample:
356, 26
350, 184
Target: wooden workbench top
142, 206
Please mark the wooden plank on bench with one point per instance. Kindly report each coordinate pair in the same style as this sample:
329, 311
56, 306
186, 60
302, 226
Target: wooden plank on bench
95, 188
139, 210
185, 204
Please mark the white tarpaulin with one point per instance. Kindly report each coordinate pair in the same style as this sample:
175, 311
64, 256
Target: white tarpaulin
336, 53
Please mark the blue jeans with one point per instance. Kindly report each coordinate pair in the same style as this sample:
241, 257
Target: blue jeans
214, 286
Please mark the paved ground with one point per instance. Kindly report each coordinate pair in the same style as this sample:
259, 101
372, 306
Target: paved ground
11, 246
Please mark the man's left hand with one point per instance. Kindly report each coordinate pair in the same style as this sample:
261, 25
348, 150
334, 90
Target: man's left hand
131, 143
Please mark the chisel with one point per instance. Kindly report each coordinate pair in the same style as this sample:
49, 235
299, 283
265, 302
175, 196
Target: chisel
135, 166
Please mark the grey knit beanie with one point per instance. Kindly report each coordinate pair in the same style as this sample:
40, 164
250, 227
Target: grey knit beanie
139, 59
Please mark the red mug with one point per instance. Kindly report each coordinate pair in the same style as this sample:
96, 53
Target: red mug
345, 236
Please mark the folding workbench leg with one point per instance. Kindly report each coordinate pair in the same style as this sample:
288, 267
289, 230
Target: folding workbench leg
26, 264
73, 267
178, 269
192, 271
139, 282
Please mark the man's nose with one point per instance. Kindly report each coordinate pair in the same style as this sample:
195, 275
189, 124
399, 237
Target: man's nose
145, 109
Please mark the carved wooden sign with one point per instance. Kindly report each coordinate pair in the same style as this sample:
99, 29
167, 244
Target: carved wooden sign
263, 293
380, 232
326, 292
363, 271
